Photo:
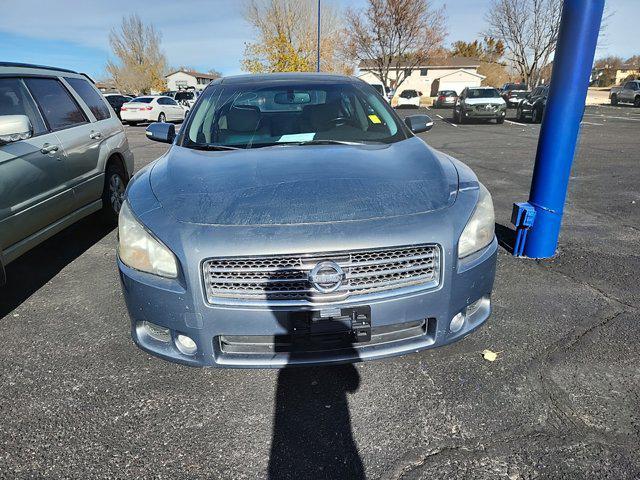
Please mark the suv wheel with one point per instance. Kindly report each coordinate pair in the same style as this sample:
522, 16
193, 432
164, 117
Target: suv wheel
614, 99
519, 114
636, 102
162, 118
500, 120
536, 116
115, 184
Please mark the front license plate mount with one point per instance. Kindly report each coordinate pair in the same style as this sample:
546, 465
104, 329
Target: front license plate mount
354, 321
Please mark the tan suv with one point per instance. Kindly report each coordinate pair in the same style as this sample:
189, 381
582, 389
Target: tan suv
63, 155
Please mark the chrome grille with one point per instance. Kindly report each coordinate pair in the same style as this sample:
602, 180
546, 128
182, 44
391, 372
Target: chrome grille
284, 279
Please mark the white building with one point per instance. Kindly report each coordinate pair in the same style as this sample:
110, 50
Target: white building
455, 73
181, 79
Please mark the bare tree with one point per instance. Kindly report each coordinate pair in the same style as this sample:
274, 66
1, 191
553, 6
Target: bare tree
394, 36
141, 63
286, 32
529, 31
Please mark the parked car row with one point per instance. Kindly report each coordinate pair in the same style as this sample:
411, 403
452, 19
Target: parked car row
316, 201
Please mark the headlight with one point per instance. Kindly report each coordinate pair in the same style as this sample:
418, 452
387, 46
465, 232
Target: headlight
139, 250
480, 228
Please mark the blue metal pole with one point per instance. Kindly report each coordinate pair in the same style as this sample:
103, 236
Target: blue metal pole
572, 64
318, 63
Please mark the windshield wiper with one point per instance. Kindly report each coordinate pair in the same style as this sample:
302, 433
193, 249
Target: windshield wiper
214, 147
325, 142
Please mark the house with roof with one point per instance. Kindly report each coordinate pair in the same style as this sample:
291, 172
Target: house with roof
430, 76
183, 78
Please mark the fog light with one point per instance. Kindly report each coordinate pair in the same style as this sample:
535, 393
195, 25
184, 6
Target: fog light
456, 323
474, 307
156, 331
186, 344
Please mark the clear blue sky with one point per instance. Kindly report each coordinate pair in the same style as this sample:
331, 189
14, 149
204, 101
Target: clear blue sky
205, 34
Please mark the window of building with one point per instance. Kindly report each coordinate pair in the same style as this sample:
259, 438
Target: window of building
424, 72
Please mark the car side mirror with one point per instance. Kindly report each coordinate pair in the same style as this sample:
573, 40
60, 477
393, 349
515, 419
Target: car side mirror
419, 123
14, 128
161, 132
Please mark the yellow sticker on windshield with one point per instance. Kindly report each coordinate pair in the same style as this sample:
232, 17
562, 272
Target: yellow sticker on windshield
374, 118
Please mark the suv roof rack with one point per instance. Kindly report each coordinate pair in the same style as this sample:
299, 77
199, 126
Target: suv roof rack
31, 65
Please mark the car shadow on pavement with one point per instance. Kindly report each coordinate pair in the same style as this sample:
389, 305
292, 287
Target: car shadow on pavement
312, 436
27, 274
506, 237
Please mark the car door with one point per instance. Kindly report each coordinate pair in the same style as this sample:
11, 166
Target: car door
177, 112
33, 194
87, 167
626, 95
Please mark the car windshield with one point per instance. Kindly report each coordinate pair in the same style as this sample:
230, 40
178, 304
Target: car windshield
183, 96
447, 93
142, 100
409, 94
250, 115
378, 88
483, 93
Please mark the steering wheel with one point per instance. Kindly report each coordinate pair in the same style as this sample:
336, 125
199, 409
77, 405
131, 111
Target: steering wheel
338, 121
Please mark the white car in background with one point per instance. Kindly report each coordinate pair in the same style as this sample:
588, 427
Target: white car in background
409, 98
151, 108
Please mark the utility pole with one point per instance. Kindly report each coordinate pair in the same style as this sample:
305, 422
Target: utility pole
572, 65
318, 62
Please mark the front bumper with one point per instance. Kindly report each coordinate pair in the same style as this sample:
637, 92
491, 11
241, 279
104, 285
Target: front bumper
488, 114
226, 335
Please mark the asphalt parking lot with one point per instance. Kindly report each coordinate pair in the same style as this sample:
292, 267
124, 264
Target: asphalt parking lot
79, 400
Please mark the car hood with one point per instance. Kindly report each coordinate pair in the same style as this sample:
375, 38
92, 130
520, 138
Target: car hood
287, 185
484, 101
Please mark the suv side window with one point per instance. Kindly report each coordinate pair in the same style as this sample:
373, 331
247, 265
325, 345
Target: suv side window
57, 105
88, 94
16, 100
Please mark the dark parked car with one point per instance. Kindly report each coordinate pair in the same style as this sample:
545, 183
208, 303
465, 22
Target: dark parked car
295, 219
116, 100
507, 88
514, 97
446, 98
532, 107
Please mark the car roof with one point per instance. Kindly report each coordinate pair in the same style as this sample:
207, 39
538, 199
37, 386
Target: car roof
282, 77
481, 88
39, 67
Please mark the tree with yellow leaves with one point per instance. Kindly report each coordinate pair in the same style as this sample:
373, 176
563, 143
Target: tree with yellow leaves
287, 37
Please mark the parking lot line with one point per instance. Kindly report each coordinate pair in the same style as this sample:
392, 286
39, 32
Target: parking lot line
445, 120
591, 123
612, 117
517, 123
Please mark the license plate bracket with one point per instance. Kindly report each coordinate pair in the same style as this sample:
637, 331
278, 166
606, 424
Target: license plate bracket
354, 321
